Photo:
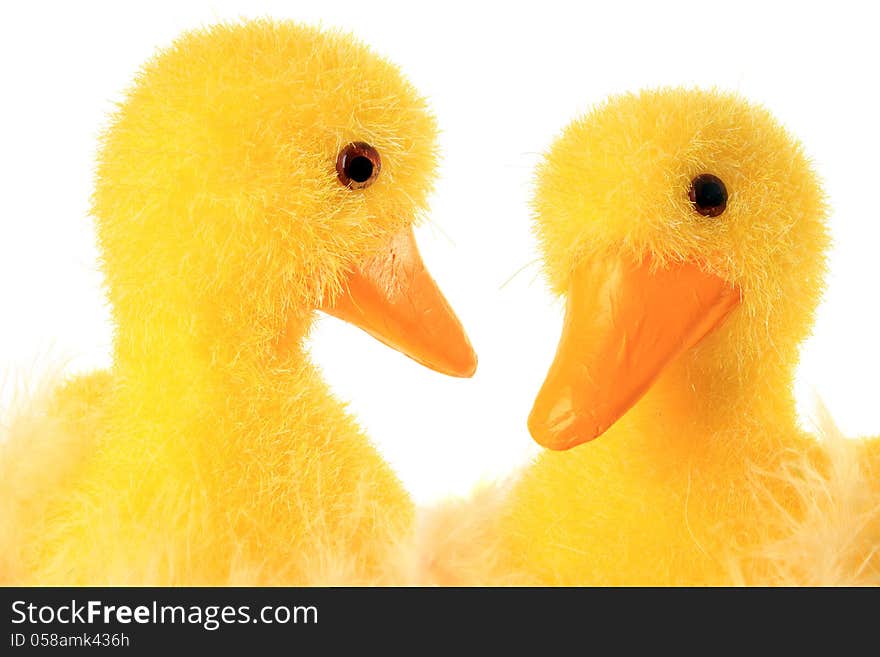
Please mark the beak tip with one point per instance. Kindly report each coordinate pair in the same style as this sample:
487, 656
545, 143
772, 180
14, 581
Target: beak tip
561, 434
471, 368
470, 371
465, 368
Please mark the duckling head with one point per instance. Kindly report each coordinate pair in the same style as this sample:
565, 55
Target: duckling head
256, 172
687, 230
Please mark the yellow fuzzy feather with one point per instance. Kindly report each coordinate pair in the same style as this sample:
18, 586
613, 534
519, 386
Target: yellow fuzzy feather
707, 479
212, 452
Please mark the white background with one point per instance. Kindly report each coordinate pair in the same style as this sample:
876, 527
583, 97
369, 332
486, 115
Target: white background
503, 79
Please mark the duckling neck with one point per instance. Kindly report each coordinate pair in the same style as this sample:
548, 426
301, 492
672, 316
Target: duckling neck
182, 381
746, 413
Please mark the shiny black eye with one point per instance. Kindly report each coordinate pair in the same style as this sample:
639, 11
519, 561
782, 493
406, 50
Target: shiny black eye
708, 195
358, 165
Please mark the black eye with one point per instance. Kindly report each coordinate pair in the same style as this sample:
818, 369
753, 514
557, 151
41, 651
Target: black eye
358, 165
708, 194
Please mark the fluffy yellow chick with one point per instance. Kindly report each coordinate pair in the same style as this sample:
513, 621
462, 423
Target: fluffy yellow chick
254, 173
687, 231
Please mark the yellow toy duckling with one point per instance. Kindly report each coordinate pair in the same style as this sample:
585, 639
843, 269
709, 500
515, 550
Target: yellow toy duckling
687, 230
256, 172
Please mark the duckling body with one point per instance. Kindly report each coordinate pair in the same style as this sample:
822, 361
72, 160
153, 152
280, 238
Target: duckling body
212, 452
137, 500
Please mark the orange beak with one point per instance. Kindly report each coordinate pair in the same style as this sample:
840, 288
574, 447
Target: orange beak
624, 323
392, 297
